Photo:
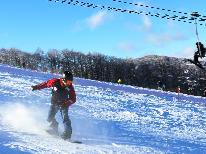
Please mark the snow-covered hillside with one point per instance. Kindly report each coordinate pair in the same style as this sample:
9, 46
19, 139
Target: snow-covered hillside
108, 118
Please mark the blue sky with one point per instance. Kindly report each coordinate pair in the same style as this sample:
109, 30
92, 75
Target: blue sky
28, 25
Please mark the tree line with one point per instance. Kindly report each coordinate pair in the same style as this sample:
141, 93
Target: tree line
142, 72
90, 66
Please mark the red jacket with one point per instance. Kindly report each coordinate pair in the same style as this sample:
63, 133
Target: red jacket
61, 94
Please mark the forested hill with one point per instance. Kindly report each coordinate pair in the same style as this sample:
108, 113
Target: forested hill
142, 72
172, 72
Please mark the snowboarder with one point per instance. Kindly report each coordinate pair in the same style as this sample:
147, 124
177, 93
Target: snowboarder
63, 95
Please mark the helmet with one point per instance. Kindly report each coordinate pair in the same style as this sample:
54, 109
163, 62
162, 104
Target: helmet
68, 75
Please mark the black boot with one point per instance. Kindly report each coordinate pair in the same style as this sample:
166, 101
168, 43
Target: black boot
66, 135
67, 130
53, 130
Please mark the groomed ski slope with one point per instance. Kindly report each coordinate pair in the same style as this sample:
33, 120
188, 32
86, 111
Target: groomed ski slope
108, 118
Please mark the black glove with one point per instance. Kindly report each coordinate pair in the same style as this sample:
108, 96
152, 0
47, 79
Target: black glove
34, 88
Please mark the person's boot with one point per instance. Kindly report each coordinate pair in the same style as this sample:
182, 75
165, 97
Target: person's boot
67, 131
53, 130
66, 135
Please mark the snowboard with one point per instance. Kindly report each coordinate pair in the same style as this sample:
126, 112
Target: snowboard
56, 134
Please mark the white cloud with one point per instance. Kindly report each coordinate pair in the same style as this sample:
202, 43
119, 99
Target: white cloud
170, 24
92, 22
187, 52
96, 19
146, 23
146, 20
161, 39
125, 46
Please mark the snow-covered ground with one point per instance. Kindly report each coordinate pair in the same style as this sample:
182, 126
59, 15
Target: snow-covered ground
108, 118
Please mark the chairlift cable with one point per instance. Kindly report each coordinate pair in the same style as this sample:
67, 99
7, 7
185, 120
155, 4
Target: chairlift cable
151, 7
122, 10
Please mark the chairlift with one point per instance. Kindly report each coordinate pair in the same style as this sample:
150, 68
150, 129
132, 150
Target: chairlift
200, 53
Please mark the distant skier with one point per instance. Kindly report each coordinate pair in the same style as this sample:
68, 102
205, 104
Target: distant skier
204, 92
160, 85
63, 95
178, 90
119, 81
